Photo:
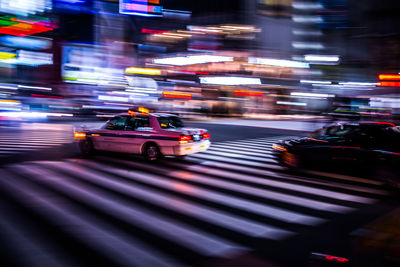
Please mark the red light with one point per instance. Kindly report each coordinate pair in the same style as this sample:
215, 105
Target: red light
206, 136
389, 77
194, 72
184, 139
151, 31
248, 93
177, 95
24, 29
389, 84
386, 123
333, 258
46, 96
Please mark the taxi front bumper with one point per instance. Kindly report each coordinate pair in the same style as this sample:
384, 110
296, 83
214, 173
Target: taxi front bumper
191, 148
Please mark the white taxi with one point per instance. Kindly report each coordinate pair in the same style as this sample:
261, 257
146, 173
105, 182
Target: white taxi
149, 134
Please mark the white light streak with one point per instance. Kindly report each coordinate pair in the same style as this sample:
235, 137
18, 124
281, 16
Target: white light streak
311, 94
291, 103
35, 87
322, 58
315, 82
279, 62
191, 60
307, 19
306, 5
308, 45
230, 80
113, 98
356, 84
307, 32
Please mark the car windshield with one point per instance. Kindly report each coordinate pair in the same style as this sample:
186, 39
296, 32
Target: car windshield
338, 131
170, 122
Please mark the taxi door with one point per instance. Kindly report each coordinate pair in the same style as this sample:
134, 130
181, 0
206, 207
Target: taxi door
137, 132
109, 138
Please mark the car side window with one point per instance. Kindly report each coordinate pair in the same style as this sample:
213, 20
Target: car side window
138, 123
117, 123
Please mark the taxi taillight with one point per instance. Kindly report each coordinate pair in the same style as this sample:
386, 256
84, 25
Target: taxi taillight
206, 136
184, 139
80, 136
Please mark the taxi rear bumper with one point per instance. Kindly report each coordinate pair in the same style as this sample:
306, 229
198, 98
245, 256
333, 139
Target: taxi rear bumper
191, 148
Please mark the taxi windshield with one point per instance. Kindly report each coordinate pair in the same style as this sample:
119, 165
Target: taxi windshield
170, 122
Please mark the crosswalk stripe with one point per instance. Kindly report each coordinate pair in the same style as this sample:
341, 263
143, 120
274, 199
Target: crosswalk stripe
239, 156
252, 152
259, 172
22, 142
251, 142
27, 141
175, 231
25, 146
217, 197
236, 161
228, 221
248, 190
122, 250
34, 253
245, 146
247, 143
279, 184
209, 204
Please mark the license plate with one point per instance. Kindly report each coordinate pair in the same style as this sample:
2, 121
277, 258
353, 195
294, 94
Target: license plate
196, 137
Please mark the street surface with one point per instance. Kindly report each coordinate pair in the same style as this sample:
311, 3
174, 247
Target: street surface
231, 205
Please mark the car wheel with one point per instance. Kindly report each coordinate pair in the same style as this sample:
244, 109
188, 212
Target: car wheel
86, 147
151, 152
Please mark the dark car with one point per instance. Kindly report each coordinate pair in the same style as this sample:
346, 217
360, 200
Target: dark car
370, 147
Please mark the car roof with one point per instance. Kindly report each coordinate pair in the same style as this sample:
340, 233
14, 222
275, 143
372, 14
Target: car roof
377, 124
150, 114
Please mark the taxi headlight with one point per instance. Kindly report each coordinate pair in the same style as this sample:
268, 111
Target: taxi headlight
79, 136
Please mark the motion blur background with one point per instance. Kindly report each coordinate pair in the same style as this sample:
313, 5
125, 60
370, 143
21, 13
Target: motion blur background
75, 59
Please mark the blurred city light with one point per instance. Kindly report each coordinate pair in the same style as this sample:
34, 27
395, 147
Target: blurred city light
191, 60
279, 62
230, 80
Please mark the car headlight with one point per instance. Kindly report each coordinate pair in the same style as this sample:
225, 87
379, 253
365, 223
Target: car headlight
279, 147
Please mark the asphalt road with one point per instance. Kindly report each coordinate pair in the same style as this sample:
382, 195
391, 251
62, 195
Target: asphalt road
231, 206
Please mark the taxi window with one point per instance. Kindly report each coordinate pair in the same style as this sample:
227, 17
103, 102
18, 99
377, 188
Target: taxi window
170, 122
117, 123
135, 123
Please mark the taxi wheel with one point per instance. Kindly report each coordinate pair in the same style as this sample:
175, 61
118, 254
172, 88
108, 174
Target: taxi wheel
151, 152
86, 147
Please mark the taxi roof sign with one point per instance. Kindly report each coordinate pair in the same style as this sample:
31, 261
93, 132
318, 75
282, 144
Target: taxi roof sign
142, 110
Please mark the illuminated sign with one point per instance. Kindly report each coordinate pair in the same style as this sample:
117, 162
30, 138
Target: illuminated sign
276, 8
24, 27
74, 6
25, 42
147, 8
25, 7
